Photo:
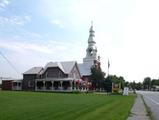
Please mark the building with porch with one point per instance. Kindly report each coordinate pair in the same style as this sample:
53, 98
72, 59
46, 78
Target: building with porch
55, 76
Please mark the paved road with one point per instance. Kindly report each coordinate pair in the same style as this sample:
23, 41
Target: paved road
152, 101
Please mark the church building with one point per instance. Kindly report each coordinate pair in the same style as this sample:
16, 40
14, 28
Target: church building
61, 76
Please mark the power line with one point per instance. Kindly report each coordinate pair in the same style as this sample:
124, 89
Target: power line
9, 62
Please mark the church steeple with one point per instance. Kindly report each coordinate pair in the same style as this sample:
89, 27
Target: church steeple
91, 49
91, 34
91, 58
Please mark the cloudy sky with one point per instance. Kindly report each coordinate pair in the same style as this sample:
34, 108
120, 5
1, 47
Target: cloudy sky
34, 32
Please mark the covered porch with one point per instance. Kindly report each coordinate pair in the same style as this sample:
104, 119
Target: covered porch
64, 84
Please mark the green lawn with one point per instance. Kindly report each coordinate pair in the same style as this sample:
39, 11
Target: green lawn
63, 106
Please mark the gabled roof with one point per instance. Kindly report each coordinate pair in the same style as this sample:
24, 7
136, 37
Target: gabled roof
34, 70
66, 67
54, 64
83, 70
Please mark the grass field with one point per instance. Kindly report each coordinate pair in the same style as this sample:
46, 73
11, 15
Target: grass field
62, 106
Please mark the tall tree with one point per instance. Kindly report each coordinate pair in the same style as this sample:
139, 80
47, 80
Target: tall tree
108, 84
138, 86
97, 77
147, 83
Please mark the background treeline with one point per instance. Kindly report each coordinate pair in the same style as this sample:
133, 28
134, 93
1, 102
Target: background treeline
100, 82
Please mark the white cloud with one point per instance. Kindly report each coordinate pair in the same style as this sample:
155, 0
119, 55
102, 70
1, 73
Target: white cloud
14, 20
4, 3
57, 23
36, 53
30, 47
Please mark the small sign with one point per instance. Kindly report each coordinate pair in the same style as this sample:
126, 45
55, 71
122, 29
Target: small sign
126, 91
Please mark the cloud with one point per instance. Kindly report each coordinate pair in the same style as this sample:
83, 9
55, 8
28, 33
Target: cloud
57, 23
38, 46
4, 4
36, 53
14, 20
27, 47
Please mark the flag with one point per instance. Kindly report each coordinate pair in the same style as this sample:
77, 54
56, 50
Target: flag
108, 63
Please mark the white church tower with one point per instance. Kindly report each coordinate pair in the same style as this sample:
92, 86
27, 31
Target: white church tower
91, 51
91, 58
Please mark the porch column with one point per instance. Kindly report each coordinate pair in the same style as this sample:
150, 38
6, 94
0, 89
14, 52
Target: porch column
70, 85
73, 85
12, 85
44, 87
20, 86
17, 86
52, 87
61, 87
35, 85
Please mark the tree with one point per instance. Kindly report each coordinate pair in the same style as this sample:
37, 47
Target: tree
116, 79
108, 84
126, 84
132, 85
147, 83
97, 77
154, 82
122, 81
138, 86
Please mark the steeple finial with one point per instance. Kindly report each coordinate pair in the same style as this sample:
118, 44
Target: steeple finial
91, 23
91, 31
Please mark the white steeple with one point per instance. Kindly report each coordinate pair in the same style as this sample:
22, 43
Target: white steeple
91, 51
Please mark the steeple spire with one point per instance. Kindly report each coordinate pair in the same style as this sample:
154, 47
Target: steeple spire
91, 34
91, 23
91, 49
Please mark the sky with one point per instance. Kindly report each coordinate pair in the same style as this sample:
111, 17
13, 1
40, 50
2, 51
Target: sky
35, 32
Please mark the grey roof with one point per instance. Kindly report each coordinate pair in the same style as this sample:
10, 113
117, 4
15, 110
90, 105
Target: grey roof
34, 70
83, 70
66, 67
54, 64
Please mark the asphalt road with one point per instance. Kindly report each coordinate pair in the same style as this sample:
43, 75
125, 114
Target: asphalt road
152, 101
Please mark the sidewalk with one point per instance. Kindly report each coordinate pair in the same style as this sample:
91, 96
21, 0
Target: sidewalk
138, 111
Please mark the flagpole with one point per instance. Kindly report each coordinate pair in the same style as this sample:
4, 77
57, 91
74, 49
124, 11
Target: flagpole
108, 72
108, 68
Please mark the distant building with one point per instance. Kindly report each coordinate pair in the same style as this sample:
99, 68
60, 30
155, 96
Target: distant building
11, 84
155, 88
